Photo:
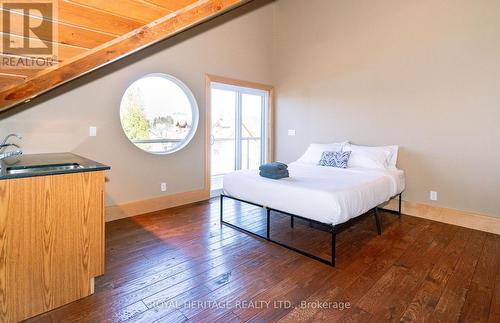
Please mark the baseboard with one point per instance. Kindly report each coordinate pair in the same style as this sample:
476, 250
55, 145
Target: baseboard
126, 210
450, 216
421, 210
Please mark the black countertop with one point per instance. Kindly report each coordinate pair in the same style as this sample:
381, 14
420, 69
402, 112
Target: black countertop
39, 160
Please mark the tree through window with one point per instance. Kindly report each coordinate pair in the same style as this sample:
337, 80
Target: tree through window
159, 114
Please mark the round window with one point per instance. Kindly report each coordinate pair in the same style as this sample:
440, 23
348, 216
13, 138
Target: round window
159, 114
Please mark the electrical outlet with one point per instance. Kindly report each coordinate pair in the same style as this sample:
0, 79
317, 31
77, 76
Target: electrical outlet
433, 196
291, 132
92, 131
163, 187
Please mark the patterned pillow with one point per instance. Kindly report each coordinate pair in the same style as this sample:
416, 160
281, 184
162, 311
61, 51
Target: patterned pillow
337, 159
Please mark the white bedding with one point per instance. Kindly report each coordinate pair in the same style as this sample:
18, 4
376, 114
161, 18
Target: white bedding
326, 194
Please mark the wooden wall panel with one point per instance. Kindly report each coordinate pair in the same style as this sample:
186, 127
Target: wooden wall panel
51, 240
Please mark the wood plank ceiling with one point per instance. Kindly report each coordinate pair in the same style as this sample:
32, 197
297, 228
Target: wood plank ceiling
93, 33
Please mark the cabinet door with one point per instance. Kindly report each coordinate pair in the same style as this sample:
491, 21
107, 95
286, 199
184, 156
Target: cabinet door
51, 241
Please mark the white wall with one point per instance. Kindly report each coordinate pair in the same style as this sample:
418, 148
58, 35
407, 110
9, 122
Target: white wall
421, 74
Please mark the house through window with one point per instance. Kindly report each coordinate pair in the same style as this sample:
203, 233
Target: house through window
239, 129
159, 114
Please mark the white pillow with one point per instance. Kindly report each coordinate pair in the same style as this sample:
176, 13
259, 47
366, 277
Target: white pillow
393, 158
382, 157
314, 152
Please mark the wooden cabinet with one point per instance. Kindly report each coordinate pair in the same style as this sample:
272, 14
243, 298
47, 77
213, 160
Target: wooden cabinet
51, 241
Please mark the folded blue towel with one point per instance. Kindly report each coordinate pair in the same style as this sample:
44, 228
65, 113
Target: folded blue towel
276, 172
275, 175
272, 167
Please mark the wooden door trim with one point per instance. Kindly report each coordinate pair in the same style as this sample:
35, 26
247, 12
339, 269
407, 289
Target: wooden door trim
208, 114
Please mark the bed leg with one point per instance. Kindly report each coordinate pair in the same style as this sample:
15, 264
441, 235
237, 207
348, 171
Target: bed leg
399, 210
292, 218
268, 224
221, 208
377, 221
334, 241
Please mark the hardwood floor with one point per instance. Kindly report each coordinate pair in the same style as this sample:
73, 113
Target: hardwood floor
180, 264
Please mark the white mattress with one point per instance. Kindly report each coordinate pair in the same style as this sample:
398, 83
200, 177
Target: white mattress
326, 194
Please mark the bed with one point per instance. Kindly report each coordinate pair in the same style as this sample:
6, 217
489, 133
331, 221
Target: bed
325, 195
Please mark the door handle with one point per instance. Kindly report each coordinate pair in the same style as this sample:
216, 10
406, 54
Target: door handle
212, 140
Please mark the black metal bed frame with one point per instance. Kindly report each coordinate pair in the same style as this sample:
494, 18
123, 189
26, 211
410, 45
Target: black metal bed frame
331, 227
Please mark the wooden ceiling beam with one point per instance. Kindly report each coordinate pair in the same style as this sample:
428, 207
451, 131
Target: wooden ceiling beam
8, 81
120, 47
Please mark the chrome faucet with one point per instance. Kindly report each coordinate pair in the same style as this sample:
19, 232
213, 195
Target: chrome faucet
4, 142
8, 145
12, 153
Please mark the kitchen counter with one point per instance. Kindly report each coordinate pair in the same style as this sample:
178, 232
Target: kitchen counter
33, 165
51, 232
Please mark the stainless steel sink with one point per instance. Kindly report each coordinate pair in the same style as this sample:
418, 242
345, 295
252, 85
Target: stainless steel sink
42, 168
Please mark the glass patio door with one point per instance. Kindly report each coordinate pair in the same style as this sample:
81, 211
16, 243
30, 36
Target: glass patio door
238, 136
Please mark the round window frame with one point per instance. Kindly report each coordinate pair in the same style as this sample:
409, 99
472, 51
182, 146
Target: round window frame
194, 110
